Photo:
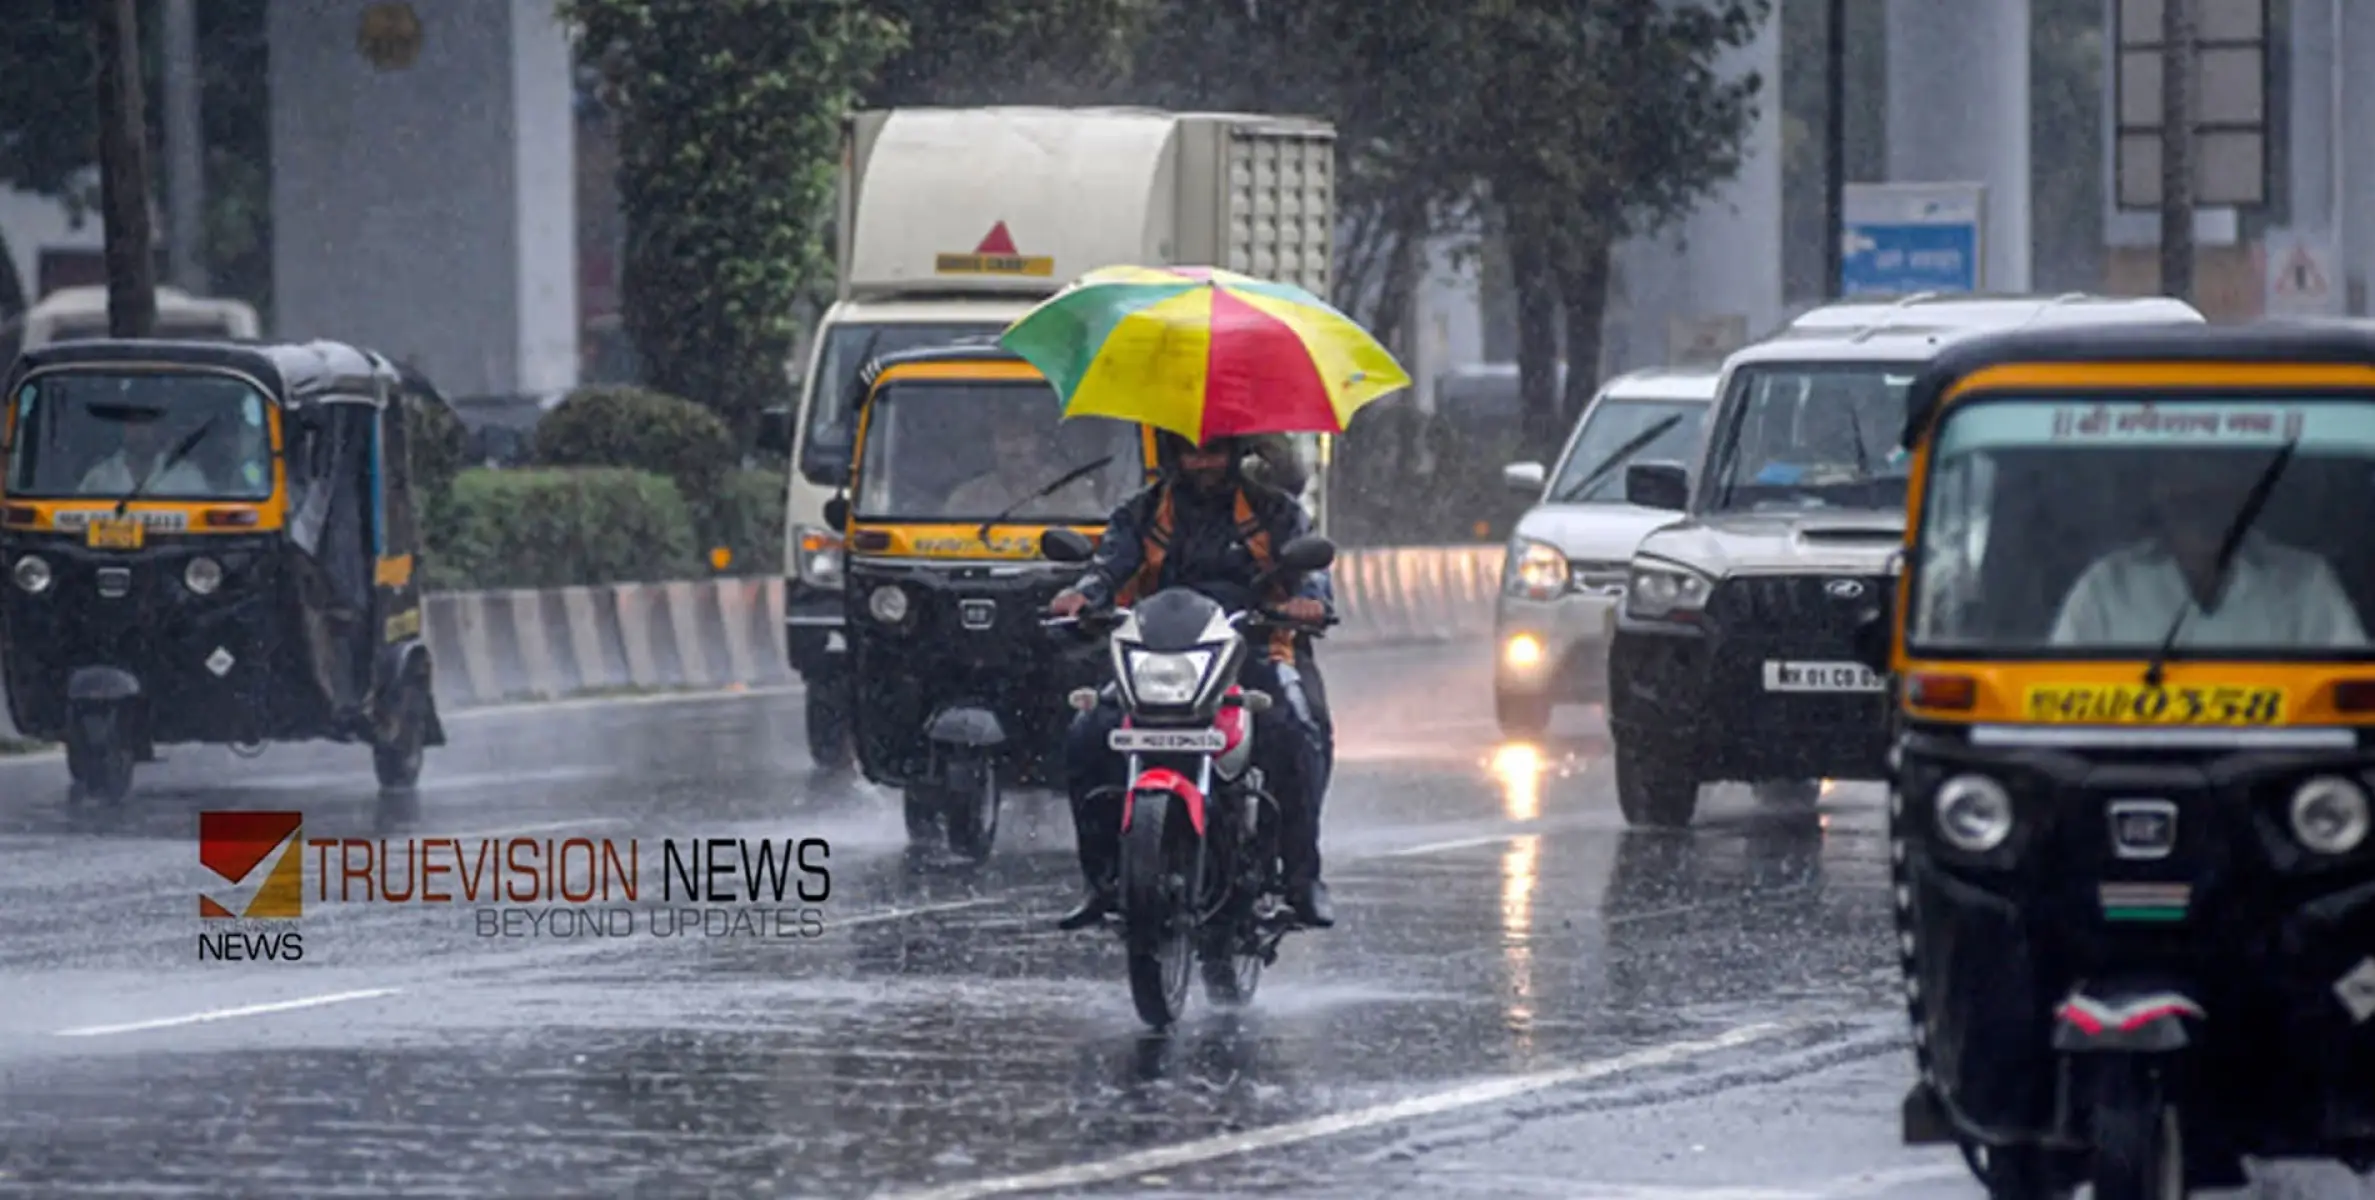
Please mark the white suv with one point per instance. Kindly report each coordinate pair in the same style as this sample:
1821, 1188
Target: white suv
1734, 654
1567, 562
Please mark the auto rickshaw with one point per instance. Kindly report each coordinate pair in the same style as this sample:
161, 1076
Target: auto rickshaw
211, 543
2133, 745
961, 461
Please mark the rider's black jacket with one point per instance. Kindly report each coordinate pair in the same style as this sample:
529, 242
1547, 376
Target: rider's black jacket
1205, 544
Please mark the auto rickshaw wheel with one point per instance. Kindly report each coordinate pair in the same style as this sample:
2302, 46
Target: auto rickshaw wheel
2139, 1140
101, 768
2018, 1173
971, 800
397, 759
829, 732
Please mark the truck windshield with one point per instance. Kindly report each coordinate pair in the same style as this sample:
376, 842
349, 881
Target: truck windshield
824, 450
2071, 527
950, 450
1812, 436
103, 434
1622, 431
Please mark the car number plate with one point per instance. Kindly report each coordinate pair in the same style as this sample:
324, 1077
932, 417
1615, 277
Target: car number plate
2135, 704
115, 533
1159, 741
1820, 677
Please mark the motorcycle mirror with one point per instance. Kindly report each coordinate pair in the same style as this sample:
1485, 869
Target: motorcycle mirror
1065, 546
1307, 553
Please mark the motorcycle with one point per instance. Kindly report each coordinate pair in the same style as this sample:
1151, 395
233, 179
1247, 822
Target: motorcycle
1201, 880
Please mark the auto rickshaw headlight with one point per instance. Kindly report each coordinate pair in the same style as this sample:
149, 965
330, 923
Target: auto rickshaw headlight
32, 574
888, 603
1974, 813
203, 575
2330, 815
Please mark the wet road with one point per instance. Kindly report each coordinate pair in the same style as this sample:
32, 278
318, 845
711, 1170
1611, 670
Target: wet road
1519, 999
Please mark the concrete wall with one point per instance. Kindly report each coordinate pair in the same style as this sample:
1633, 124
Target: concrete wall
1958, 112
428, 208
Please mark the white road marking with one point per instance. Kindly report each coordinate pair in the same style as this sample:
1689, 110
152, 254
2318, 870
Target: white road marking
898, 914
516, 830
1466, 843
1230, 1145
225, 1014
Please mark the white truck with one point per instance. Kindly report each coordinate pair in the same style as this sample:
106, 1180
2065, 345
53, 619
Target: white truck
955, 221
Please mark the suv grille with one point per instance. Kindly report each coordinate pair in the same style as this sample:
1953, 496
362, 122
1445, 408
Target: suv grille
1792, 604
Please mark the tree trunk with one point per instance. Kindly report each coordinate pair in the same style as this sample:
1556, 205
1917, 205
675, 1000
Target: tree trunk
1535, 279
123, 172
1397, 286
1583, 296
13, 300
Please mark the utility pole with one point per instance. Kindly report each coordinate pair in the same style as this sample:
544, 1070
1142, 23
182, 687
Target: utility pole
185, 174
2178, 33
123, 172
1834, 165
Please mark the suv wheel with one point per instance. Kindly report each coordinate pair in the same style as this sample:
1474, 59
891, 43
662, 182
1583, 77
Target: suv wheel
1651, 793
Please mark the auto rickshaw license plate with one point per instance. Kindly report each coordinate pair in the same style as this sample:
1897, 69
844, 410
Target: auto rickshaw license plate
2135, 704
115, 533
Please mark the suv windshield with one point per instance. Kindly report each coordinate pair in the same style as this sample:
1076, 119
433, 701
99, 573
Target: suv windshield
2069, 527
1813, 436
951, 450
100, 434
1622, 431
824, 451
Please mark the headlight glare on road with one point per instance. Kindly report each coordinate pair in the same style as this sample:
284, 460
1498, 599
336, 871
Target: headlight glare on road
203, 575
1974, 813
1167, 678
888, 603
1654, 592
32, 575
2330, 816
1536, 570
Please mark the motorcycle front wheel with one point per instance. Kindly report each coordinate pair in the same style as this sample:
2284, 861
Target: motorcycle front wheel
1158, 876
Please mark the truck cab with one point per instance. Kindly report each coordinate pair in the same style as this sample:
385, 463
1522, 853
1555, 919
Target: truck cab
1733, 656
956, 221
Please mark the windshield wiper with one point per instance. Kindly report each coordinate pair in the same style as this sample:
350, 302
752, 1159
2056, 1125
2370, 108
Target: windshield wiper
1863, 458
1082, 471
2245, 516
189, 441
1616, 458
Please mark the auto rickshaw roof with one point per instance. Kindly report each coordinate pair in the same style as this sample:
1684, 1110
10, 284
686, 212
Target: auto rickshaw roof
984, 351
295, 373
2313, 342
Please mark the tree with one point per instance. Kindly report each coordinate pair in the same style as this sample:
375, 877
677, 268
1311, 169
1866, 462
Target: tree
1612, 119
729, 117
49, 135
968, 52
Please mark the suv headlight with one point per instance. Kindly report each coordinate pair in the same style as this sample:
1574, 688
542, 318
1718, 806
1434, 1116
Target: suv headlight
1662, 591
1157, 678
819, 562
1535, 570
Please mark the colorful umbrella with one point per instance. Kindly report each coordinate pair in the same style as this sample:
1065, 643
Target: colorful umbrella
1203, 352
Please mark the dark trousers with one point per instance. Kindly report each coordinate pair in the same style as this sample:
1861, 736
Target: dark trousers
1294, 744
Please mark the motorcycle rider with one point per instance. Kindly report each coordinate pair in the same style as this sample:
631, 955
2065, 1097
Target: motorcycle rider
1205, 522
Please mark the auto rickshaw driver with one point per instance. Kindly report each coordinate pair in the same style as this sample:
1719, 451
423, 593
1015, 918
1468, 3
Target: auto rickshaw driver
135, 459
2264, 594
1024, 466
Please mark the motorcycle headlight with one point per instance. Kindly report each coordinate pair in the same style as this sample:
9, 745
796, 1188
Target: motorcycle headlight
203, 575
2329, 815
1167, 678
888, 603
1535, 570
32, 574
1974, 813
1653, 591
819, 562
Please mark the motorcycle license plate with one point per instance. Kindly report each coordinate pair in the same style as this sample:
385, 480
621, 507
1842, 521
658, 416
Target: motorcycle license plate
1172, 741
115, 533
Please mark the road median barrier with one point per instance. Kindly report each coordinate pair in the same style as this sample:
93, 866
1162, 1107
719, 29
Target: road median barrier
499, 647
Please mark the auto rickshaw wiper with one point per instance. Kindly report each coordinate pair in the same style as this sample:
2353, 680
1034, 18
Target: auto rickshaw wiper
1083, 470
1619, 455
2228, 546
189, 441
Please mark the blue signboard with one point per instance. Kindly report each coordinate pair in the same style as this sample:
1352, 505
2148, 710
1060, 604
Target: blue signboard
1903, 238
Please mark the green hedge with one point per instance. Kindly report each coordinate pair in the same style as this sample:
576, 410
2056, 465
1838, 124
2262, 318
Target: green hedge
561, 527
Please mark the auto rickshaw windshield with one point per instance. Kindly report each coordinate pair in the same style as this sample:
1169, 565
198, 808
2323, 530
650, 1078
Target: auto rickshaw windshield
2071, 527
103, 434
969, 450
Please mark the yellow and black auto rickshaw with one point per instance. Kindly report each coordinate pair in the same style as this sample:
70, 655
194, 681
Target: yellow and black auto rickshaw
2134, 746
961, 460
210, 543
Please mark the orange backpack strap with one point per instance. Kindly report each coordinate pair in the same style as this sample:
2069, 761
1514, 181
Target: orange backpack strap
1257, 543
1153, 548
